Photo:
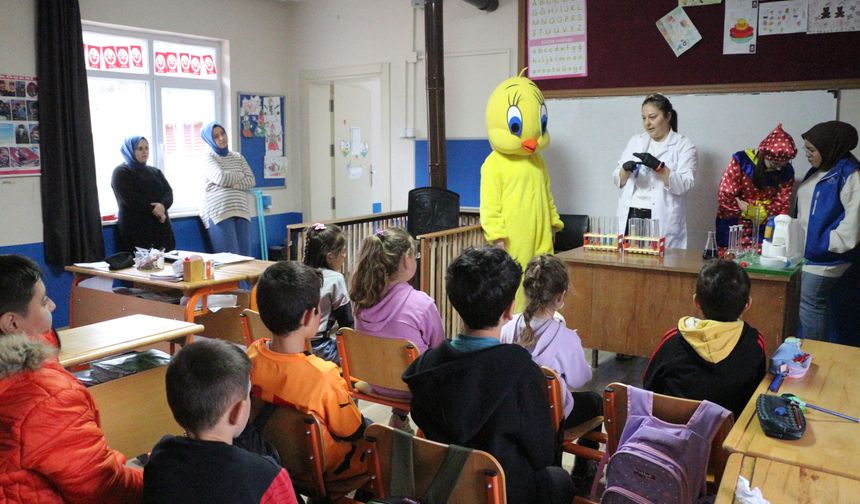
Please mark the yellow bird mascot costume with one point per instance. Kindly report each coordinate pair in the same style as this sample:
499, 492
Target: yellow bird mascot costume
517, 209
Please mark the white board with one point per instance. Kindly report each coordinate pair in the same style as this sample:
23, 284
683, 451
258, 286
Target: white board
588, 136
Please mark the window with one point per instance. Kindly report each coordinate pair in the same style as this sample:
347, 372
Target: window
163, 88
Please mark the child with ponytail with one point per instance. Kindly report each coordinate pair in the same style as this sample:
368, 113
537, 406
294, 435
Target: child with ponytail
542, 331
325, 249
386, 305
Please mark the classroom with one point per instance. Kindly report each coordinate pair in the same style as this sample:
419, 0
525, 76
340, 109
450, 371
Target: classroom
370, 56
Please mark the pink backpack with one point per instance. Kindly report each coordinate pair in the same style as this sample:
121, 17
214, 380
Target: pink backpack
660, 462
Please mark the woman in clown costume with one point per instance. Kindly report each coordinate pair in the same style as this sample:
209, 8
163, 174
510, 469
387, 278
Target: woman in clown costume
756, 185
517, 209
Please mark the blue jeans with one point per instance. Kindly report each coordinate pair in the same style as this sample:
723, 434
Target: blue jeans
815, 313
230, 235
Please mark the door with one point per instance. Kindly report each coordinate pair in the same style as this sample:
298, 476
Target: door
352, 171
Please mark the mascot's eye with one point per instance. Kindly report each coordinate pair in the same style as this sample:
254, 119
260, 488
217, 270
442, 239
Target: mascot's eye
543, 119
515, 120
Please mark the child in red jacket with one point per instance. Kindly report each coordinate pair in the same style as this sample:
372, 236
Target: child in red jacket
52, 448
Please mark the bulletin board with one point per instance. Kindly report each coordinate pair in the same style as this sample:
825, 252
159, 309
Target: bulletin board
627, 55
262, 138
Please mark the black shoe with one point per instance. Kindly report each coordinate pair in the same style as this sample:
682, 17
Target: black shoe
582, 476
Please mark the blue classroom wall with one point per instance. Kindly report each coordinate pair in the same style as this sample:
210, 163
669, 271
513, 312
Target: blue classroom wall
464, 160
190, 235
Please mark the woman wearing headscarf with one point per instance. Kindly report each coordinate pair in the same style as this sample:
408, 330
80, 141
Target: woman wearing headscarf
756, 185
225, 211
143, 196
828, 209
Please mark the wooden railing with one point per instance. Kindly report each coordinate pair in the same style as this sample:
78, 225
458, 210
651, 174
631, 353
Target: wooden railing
438, 250
357, 229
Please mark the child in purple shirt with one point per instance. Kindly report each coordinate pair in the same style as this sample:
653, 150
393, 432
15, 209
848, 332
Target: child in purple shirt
544, 334
386, 305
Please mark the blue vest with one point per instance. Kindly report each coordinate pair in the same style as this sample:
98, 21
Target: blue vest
826, 212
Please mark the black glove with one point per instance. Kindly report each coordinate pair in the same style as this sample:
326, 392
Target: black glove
629, 166
648, 160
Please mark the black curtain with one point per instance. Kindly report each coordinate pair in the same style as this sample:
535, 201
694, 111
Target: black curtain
70, 203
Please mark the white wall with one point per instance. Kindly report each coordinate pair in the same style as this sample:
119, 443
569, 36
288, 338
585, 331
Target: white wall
256, 54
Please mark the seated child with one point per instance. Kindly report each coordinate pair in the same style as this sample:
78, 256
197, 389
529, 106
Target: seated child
325, 249
720, 358
52, 448
386, 305
288, 297
542, 331
476, 392
208, 390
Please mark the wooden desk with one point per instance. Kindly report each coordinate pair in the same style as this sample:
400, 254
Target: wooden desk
134, 411
88, 306
626, 302
780, 482
830, 444
94, 341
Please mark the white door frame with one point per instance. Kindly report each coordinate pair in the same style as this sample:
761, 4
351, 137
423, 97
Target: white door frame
327, 77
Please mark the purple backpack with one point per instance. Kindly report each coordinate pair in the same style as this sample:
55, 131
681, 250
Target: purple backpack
657, 461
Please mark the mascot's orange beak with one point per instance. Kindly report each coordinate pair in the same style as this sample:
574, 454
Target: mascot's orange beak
530, 144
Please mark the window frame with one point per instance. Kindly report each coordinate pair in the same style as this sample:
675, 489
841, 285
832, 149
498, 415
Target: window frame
156, 83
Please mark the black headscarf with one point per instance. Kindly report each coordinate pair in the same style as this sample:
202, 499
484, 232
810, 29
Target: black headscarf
833, 139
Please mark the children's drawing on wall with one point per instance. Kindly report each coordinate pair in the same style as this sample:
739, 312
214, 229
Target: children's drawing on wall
678, 30
19, 126
739, 27
272, 122
828, 16
275, 165
778, 18
251, 117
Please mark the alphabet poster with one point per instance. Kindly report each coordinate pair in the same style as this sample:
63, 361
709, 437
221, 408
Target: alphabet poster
19, 126
557, 39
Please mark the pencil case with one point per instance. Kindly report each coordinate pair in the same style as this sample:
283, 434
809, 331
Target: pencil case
779, 417
790, 354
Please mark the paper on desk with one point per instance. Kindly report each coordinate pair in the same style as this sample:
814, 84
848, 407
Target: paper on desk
100, 265
220, 258
745, 495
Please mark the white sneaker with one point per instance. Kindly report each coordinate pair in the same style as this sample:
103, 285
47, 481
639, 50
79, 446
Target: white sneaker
401, 423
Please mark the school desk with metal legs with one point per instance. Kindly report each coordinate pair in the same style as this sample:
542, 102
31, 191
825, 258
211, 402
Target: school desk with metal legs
625, 303
830, 444
102, 339
88, 305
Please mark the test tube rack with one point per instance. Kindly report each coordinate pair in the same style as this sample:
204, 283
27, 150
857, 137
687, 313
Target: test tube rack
602, 241
644, 245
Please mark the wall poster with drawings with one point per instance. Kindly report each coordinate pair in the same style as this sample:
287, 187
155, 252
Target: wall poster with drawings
19, 126
261, 137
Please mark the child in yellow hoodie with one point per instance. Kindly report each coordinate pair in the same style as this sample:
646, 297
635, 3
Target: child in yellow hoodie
719, 358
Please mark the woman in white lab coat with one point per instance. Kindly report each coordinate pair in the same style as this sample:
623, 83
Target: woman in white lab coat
655, 171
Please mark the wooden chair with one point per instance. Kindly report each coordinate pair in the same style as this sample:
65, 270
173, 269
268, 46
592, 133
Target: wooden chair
298, 437
584, 430
670, 409
482, 479
253, 327
367, 360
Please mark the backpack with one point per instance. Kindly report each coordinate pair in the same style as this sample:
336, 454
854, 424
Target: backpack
657, 461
